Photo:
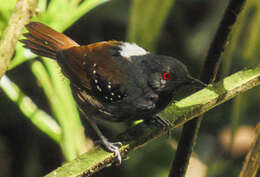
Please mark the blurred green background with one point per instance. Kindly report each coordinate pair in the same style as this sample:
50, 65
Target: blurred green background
33, 143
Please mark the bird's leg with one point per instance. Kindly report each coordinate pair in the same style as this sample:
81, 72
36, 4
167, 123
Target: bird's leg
112, 147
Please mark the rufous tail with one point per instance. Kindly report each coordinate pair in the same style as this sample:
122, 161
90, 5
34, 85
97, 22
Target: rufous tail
44, 41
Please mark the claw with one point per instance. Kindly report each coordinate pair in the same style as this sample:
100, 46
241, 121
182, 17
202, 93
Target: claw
112, 147
162, 123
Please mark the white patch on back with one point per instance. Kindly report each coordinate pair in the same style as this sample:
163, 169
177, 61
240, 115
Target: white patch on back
131, 49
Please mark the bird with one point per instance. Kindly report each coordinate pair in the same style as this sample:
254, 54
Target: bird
112, 80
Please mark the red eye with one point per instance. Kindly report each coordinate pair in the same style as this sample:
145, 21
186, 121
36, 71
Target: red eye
166, 76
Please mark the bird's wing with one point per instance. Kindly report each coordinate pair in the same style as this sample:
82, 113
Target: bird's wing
97, 67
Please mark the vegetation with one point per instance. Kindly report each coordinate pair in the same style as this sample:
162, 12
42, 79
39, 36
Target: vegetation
184, 29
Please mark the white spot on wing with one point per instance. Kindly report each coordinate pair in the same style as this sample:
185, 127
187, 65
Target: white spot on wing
131, 49
99, 89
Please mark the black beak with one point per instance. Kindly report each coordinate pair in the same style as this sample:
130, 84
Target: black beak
196, 82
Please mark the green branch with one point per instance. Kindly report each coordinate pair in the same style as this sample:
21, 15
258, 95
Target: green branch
178, 113
23, 11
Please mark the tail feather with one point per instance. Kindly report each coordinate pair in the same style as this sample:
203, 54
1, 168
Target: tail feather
44, 41
38, 46
32, 39
39, 50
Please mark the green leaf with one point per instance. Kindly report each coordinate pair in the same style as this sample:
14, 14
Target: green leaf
147, 20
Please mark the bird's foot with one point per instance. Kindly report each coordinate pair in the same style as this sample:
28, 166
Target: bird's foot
112, 147
162, 123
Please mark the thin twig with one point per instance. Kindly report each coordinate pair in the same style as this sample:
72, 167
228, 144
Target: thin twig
208, 75
252, 161
178, 113
23, 12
